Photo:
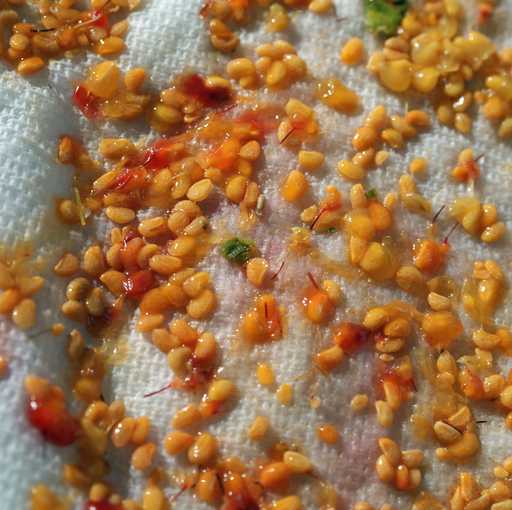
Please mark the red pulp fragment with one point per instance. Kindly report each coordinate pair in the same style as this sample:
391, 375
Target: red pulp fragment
100, 19
265, 120
102, 505
53, 421
161, 154
86, 102
195, 87
138, 283
405, 384
130, 179
351, 337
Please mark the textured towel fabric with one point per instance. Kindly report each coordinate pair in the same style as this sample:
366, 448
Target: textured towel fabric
167, 36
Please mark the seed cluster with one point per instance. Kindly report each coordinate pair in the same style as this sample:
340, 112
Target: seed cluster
156, 199
66, 29
18, 285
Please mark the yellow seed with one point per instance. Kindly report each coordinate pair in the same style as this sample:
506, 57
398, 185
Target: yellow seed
120, 215
291, 502
390, 450
412, 458
165, 265
182, 246
153, 227
200, 190
359, 402
327, 433
350, 171
67, 265
396, 75
505, 129
208, 487
251, 150
30, 66
258, 428
393, 138
385, 470
24, 314
284, 394
375, 318
336, 95
256, 270
493, 233
177, 442
320, 6
203, 450
122, 432
187, 417
74, 310
152, 499
295, 186
425, 79
116, 148
381, 157
311, 160
329, 359
177, 359
57, 329
463, 123
276, 74
103, 80
297, 462
202, 306
353, 51
265, 374
363, 505
438, 302
194, 285
134, 78
221, 390
109, 46
149, 322
385, 415
364, 138
95, 303
142, 457
240, 68
113, 280
93, 261
506, 397
418, 166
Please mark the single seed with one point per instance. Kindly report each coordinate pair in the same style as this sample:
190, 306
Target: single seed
258, 428
203, 450
177, 442
297, 462
142, 457
285, 394
24, 314
359, 402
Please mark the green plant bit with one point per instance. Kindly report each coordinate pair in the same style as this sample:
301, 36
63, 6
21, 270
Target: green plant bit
238, 250
383, 17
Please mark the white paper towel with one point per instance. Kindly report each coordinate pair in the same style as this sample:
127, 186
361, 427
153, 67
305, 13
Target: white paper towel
167, 36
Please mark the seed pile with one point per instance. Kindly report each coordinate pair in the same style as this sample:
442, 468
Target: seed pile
64, 29
154, 197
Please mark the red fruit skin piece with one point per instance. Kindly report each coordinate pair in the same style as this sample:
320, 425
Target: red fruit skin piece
54, 422
138, 283
86, 102
101, 505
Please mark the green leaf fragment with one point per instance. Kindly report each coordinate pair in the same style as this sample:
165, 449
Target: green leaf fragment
238, 250
371, 193
383, 17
